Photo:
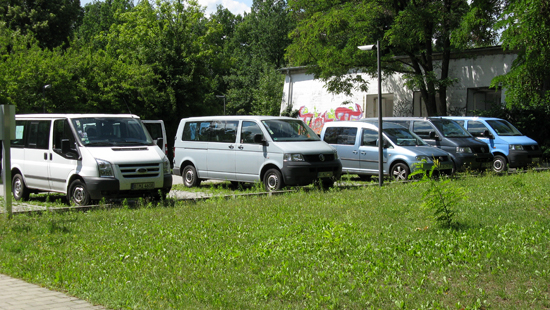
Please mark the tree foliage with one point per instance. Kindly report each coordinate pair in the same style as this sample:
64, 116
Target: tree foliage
417, 38
525, 26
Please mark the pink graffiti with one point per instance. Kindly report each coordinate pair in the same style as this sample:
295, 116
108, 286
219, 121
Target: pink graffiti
340, 114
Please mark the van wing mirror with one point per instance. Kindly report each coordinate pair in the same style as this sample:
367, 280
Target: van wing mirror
65, 146
487, 134
432, 135
160, 142
259, 139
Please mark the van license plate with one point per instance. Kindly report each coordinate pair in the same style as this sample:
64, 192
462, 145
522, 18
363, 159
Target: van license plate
325, 174
148, 185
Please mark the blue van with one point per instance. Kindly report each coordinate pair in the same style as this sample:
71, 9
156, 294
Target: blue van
508, 145
403, 151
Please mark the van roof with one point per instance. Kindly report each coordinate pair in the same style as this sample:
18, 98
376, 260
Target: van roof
471, 118
238, 117
59, 115
370, 124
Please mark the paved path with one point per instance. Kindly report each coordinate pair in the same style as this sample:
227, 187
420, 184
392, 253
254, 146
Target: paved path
19, 295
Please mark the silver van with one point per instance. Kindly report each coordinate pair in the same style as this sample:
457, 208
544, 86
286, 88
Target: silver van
466, 151
277, 151
403, 153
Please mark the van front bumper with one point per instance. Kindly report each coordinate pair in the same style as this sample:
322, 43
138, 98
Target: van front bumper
304, 173
473, 161
519, 159
109, 188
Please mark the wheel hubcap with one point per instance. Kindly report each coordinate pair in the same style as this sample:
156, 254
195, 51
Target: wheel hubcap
272, 181
78, 195
399, 173
497, 165
17, 187
189, 177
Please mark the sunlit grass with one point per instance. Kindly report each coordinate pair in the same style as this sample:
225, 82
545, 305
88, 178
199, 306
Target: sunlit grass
358, 247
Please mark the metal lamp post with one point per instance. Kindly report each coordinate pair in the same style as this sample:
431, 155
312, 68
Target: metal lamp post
380, 136
47, 86
222, 96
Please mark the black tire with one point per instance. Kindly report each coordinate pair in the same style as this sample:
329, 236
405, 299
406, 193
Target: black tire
500, 164
365, 177
273, 180
190, 177
400, 172
78, 193
18, 188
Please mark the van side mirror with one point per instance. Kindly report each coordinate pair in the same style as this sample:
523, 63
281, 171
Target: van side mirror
65, 146
487, 134
432, 135
259, 139
160, 143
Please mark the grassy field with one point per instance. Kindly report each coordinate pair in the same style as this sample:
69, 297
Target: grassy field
347, 248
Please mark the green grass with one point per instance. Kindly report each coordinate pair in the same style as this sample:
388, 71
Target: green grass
346, 248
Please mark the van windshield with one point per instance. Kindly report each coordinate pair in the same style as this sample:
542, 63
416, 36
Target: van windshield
403, 137
289, 130
503, 128
450, 129
109, 131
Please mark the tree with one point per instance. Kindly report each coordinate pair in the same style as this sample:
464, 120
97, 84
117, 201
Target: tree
51, 21
525, 25
98, 17
258, 47
417, 38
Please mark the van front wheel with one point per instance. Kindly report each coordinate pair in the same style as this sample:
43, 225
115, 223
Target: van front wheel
273, 180
19, 189
499, 163
400, 172
78, 193
190, 177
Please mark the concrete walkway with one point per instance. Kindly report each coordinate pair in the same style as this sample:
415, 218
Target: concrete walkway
20, 295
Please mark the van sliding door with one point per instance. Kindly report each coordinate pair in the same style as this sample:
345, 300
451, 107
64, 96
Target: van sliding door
35, 165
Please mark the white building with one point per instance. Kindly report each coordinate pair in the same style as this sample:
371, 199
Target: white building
474, 70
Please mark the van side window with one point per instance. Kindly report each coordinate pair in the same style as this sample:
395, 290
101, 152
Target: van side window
21, 128
223, 131
248, 130
62, 131
369, 137
196, 131
476, 128
39, 135
422, 129
340, 135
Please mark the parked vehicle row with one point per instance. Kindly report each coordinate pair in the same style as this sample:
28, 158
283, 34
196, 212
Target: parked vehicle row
89, 157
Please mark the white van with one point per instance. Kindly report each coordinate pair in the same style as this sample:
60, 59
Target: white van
158, 133
277, 151
88, 157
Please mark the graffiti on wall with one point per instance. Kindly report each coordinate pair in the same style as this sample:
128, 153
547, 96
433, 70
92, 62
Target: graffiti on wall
316, 120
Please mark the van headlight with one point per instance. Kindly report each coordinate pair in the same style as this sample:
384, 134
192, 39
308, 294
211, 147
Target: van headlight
293, 157
463, 149
424, 157
516, 147
165, 165
105, 168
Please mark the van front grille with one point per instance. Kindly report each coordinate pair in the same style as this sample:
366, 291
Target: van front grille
480, 149
151, 170
317, 157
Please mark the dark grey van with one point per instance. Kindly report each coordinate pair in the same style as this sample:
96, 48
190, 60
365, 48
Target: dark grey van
466, 151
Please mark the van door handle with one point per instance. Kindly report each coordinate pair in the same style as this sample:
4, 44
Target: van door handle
46, 156
241, 147
363, 153
354, 152
231, 147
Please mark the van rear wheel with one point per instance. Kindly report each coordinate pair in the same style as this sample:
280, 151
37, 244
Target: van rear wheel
190, 177
273, 180
18, 188
78, 193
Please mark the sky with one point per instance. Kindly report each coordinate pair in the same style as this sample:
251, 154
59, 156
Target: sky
235, 6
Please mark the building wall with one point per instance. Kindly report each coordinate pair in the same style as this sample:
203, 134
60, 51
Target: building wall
317, 106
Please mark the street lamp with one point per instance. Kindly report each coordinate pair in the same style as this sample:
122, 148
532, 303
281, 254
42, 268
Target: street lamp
380, 136
222, 96
47, 86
